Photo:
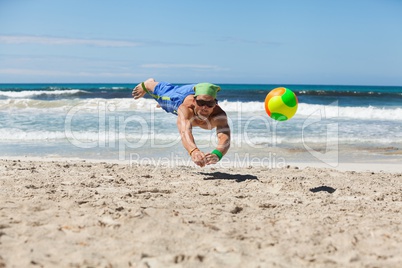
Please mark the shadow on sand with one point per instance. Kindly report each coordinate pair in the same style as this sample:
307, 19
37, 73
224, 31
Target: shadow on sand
227, 176
323, 189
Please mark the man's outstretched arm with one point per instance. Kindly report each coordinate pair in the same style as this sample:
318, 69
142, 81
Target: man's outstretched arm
223, 134
184, 126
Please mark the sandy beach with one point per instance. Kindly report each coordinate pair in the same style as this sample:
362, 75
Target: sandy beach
76, 213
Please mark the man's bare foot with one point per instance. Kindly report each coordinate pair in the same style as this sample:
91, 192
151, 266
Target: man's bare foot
139, 92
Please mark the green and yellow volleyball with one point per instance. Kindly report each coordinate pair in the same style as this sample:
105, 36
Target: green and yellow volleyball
281, 104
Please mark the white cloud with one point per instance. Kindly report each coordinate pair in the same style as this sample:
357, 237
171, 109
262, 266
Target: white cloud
52, 73
12, 71
45, 40
181, 66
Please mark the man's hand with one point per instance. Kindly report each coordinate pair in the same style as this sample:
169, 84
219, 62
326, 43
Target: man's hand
198, 158
211, 159
201, 159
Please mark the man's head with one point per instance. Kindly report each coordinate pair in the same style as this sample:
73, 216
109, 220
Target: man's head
206, 89
205, 99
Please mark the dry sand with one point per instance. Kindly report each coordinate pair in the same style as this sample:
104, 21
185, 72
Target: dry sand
86, 214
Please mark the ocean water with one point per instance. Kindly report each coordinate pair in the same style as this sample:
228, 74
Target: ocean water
333, 124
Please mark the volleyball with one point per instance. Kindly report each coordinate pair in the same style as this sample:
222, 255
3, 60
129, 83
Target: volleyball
281, 104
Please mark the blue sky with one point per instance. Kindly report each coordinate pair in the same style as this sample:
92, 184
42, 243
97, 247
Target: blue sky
348, 42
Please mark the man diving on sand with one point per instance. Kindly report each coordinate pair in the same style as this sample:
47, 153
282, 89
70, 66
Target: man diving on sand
195, 105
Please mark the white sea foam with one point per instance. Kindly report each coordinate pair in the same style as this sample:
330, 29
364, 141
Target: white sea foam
331, 111
252, 108
15, 134
31, 93
84, 104
162, 140
328, 111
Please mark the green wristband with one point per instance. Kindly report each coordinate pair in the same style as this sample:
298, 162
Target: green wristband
217, 153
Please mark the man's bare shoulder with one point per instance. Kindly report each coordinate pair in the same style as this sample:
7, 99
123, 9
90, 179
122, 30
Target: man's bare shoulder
188, 101
187, 107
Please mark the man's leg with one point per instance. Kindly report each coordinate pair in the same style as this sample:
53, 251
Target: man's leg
139, 92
